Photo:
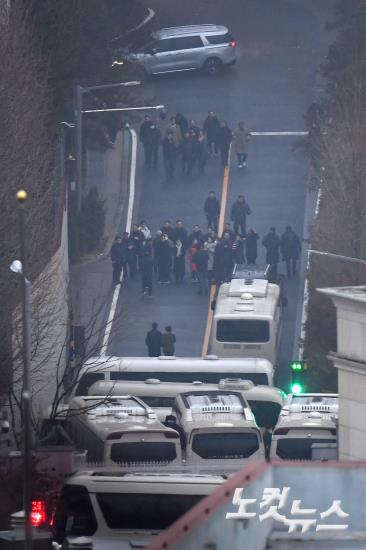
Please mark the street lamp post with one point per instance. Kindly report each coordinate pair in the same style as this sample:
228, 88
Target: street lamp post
337, 256
20, 267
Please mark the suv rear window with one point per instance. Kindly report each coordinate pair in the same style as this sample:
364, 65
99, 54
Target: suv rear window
144, 511
242, 330
220, 38
74, 514
143, 452
225, 445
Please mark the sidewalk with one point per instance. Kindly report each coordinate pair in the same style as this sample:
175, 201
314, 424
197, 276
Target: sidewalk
91, 280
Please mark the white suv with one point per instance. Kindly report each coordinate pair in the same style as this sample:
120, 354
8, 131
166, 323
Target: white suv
125, 510
207, 47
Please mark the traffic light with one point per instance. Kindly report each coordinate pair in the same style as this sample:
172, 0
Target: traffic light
298, 369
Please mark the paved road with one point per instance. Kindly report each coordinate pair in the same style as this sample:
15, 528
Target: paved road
280, 46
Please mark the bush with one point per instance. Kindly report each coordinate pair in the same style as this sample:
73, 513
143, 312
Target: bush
86, 228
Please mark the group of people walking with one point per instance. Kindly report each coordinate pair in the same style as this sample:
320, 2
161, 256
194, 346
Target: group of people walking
191, 143
210, 256
157, 341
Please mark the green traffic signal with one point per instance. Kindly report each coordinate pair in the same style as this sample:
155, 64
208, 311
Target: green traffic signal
297, 365
296, 388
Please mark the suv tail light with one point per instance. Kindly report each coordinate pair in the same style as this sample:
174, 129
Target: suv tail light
232, 43
281, 431
38, 514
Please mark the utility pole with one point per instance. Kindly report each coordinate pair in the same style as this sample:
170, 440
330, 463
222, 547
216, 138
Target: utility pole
26, 391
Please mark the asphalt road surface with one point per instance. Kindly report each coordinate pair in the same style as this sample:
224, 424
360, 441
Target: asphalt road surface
281, 44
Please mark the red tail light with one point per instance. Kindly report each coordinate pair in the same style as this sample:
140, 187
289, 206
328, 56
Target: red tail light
38, 515
232, 43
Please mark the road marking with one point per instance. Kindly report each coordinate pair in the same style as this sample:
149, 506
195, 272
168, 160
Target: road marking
302, 133
225, 185
131, 200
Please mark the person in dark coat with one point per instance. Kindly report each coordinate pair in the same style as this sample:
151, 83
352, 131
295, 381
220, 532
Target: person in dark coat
186, 150
201, 258
129, 260
223, 260
163, 259
143, 133
290, 249
201, 152
182, 122
212, 210
196, 235
169, 340
180, 232
271, 243
170, 153
154, 341
179, 261
189, 148
152, 140
228, 229
224, 139
146, 266
167, 229
194, 128
211, 128
251, 246
237, 248
239, 212
137, 237
117, 255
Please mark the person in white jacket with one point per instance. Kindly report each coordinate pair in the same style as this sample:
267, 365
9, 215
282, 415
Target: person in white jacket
145, 230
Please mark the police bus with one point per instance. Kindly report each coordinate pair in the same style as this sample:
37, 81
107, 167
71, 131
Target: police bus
306, 428
209, 369
120, 430
266, 402
218, 426
247, 317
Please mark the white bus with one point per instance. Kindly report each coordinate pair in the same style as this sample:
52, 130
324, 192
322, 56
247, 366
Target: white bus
120, 430
218, 426
306, 428
266, 402
126, 510
247, 320
209, 370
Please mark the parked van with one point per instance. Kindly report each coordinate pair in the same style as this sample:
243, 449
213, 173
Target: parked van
209, 370
121, 430
306, 428
206, 47
218, 426
266, 402
125, 510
